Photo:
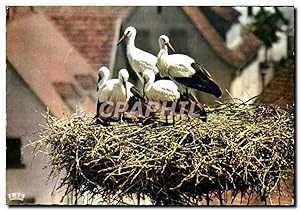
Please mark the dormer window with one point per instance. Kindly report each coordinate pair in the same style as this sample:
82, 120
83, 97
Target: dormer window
13, 153
87, 82
68, 94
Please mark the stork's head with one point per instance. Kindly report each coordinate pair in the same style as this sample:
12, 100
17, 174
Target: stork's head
124, 75
103, 71
129, 31
164, 41
148, 75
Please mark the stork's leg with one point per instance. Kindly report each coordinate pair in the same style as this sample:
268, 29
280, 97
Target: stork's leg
187, 92
173, 116
166, 118
121, 116
97, 111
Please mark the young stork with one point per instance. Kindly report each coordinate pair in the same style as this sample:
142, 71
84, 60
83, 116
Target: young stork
160, 91
113, 91
138, 59
184, 69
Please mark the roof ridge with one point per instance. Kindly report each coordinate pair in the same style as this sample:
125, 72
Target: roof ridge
235, 57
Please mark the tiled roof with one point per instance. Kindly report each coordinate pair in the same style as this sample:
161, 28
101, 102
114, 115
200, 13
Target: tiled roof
46, 62
280, 90
227, 13
90, 30
237, 57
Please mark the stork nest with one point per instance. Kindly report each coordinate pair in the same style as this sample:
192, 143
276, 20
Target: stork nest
241, 148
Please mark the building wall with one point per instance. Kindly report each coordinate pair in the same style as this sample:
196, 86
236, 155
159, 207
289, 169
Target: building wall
23, 110
233, 36
248, 84
150, 25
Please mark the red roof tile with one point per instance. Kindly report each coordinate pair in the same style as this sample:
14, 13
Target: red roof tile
227, 13
280, 90
90, 30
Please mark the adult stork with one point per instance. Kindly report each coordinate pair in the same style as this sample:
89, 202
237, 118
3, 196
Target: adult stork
111, 91
161, 91
184, 69
138, 59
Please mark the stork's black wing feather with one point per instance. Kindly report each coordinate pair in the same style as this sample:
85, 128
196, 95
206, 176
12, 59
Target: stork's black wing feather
136, 93
201, 81
198, 109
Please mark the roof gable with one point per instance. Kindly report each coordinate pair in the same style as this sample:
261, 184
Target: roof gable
42, 57
238, 57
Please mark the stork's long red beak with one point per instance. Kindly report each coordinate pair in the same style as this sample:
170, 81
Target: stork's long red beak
121, 39
125, 86
170, 46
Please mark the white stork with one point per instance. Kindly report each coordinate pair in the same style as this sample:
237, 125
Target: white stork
161, 90
138, 59
113, 90
184, 69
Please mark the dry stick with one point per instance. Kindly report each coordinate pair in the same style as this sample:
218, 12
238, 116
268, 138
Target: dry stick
164, 140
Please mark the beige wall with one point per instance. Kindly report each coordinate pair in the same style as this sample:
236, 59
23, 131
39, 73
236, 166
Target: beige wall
23, 115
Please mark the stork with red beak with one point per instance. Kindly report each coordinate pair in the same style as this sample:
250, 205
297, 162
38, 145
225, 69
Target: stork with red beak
138, 59
184, 70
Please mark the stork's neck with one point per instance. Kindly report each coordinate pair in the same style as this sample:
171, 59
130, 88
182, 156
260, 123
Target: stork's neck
121, 81
163, 51
149, 85
103, 80
130, 43
163, 47
162, 63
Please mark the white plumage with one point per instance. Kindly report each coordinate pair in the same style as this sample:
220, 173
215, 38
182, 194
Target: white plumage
138, 59
161, 90
116, 90
113, 90
184, 69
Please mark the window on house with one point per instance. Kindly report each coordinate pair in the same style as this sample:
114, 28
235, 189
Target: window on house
250, 11
13, 153
68, 94
159, 9
29, 200
178, 38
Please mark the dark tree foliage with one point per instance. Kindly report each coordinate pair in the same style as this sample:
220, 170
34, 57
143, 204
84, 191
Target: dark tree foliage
265, 26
